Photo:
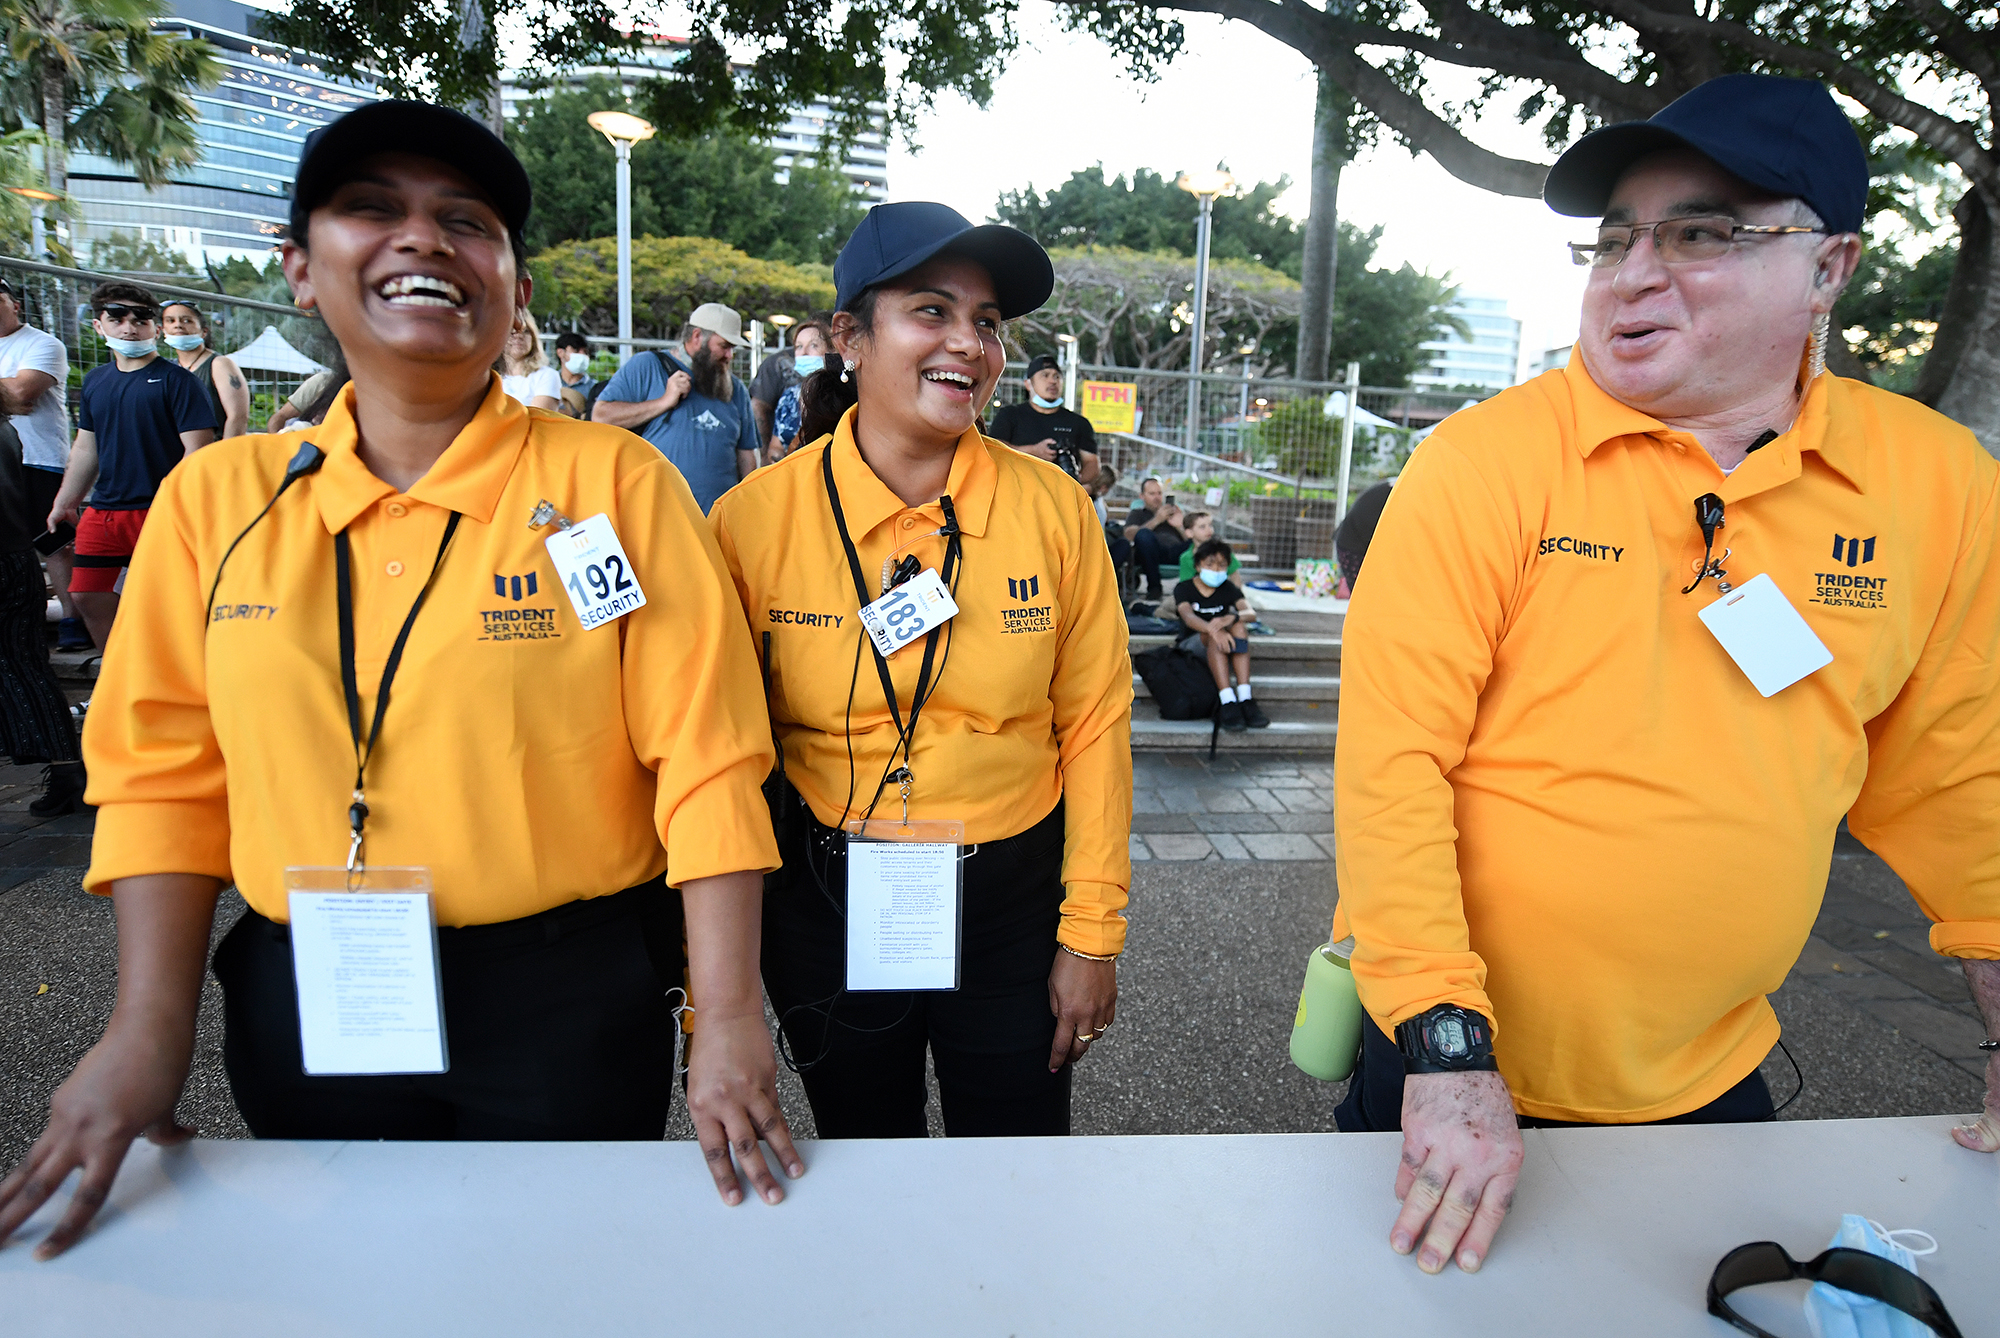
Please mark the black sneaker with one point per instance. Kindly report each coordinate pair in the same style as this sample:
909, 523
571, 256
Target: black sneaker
1253, 715
62, 790
1231, 716
71, 634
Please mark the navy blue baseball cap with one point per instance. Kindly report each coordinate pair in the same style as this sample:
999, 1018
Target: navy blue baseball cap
1785, 136
894, 239
410, 127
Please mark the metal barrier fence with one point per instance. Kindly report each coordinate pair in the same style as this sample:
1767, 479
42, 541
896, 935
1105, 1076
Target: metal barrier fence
57, 300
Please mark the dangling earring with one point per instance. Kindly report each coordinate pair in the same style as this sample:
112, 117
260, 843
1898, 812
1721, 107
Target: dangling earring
1816, 351
846, 366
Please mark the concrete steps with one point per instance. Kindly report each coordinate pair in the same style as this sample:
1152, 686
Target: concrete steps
1297, 680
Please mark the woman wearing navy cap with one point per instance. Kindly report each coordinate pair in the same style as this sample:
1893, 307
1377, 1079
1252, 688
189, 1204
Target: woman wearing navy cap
946, 662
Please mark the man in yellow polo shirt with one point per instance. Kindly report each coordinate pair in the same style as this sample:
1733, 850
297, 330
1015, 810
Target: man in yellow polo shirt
1641, 632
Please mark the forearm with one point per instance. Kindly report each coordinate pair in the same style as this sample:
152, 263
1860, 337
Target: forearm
280, 416
746, 461
724, 929
629, 414
80, 473
15, 398
164, 924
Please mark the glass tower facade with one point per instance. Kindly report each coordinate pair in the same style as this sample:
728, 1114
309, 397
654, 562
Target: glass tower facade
1489, 359
234, 201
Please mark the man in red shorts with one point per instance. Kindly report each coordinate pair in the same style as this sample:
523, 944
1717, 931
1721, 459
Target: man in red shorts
137, 417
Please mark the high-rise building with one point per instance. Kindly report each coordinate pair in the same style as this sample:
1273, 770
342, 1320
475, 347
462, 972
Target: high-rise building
234, 201
866, 163
1490, 358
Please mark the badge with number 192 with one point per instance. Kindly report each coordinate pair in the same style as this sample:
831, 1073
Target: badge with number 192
593, 569
907, 612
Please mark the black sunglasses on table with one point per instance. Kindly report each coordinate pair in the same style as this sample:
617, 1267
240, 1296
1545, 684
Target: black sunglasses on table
1855, 1271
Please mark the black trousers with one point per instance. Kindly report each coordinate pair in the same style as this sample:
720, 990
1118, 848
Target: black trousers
1154, 549
861, 1056
557, 1026
1374, 1101
35, 723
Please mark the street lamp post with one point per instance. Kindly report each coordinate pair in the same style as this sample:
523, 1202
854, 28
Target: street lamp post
783, 325
1204, 186
623, 130
1068, 344
37, 237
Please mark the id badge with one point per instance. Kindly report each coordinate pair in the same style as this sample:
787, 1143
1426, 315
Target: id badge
365, 957
592, 567
905, 904
1765, 635
907, 612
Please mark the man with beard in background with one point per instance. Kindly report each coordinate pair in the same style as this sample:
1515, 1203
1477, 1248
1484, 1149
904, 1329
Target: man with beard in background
690, 407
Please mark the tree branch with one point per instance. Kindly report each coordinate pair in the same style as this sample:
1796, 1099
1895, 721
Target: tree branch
1956, 39
1311, 33
1957, 140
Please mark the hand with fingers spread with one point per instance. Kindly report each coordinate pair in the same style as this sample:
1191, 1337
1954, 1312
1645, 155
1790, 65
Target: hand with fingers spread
1461, 1160
732, 1093
1083, 994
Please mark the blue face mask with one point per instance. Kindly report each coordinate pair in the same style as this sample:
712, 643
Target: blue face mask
1212, 578
1041, 403
132, 348
1833, 1313
185, 343
805, 364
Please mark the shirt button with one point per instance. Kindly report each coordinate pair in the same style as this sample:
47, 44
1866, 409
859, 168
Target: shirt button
394, 569
398, 509
909, 522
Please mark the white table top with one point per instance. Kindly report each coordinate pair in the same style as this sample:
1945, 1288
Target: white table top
1614, 1231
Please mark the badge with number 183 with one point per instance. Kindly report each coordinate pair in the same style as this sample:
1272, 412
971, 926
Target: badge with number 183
907, 612
594, 571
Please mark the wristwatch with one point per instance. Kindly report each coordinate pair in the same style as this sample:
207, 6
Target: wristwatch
1447, 1039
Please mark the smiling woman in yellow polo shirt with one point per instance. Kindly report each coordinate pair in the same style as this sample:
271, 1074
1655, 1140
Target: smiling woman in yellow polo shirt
568, 719
976, 914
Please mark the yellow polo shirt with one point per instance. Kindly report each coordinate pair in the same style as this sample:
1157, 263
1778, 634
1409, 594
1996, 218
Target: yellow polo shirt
527, 762
1561, 803
1033, 700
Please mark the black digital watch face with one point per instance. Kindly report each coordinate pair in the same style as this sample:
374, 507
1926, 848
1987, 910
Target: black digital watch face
1448, 1036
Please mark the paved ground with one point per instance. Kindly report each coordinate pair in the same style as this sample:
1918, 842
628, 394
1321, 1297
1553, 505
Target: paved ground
1232, 886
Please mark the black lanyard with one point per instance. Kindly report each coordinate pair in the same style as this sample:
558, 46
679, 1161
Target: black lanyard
904, 734
357, 812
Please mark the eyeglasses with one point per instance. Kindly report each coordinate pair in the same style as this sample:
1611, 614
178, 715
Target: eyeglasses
1854, 1271
118, 312
1678, 240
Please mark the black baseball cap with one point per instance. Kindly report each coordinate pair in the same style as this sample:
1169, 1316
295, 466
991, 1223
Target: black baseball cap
410, 127
1785, 136
1042, 362
894, 239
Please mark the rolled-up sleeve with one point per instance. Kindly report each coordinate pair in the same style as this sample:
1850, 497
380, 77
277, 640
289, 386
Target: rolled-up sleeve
695, 704
1929, 804
156, 772
1417, 649
1091, 694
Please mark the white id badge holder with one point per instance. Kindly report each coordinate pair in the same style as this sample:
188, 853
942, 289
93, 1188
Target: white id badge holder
1765, 635
905, 904
365, 958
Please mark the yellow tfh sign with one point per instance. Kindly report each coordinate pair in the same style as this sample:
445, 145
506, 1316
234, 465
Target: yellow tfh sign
1110, 405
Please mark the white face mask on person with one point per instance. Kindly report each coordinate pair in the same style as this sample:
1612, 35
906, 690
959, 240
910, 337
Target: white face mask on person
185, 343
1212, 578
576, 364
1041, 403
805, 364
132, 348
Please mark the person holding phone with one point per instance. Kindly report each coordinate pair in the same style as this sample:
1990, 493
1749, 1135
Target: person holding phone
555, 776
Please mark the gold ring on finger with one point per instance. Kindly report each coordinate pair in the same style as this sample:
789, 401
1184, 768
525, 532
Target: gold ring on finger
1086, 1037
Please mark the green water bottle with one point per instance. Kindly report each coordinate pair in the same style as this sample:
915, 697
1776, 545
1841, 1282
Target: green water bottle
1326, 1034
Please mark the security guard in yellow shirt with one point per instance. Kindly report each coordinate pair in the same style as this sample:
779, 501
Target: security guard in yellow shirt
947, 668
542, 749
1636, 635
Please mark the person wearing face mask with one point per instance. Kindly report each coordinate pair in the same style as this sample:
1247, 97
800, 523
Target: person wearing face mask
186, 331
993, 745
1216, 615
573, 368
1043, 427
576, 779
781, 372
138, 416
808, 356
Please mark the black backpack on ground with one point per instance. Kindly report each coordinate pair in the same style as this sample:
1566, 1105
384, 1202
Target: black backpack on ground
1180, 683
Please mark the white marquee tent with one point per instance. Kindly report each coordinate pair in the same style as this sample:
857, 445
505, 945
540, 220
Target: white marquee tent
269, 352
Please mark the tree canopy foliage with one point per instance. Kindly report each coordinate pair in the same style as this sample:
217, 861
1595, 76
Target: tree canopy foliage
1154, 214
718, 183
576, 284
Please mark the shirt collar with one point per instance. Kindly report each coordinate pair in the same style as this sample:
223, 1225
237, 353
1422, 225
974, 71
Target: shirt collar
1836, 438
867, 501
467, 478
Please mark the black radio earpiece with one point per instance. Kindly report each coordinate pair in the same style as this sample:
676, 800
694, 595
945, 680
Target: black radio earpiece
308, 460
